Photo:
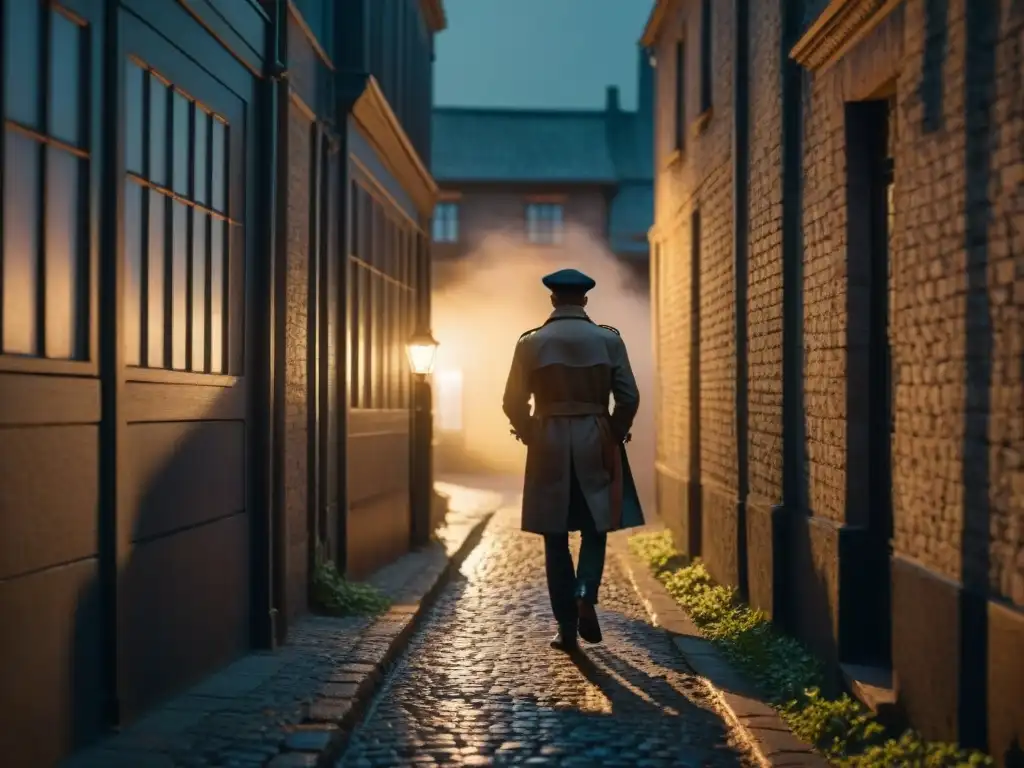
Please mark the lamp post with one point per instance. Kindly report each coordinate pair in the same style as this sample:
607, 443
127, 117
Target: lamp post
422, 352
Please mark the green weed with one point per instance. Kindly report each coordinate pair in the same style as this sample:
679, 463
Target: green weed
337, 596
842, 729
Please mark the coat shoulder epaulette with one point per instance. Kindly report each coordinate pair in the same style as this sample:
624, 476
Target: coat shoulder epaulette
527, 333
612, 329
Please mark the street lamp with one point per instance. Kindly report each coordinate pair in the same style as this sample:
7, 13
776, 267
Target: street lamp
422, 351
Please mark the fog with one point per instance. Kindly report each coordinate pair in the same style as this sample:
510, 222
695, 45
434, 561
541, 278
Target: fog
485, 301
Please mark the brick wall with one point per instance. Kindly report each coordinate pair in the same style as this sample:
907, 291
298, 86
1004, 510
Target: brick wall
824, 298
764, 292
955, 71
1005, 279
958, 312
929, 278
296, 448
698, 178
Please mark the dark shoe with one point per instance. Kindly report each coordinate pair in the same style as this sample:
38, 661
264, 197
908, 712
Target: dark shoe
565, 642
589, 627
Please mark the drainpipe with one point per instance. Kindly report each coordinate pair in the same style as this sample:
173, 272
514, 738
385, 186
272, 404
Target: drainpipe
112, 542
275, 122
741, 237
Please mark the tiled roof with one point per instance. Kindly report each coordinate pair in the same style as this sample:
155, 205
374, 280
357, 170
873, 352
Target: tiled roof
513, 145
631, 143
630, 216
521, 146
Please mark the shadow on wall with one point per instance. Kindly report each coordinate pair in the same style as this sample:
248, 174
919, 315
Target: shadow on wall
484, 301
183, 602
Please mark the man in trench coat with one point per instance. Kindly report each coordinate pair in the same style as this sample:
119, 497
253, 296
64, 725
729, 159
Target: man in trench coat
577, 475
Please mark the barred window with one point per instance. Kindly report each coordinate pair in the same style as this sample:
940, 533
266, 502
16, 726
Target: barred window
382, 300
44, 261
177, 228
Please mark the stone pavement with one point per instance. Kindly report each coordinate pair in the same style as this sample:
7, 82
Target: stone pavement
479, 684
737, 698
287, 707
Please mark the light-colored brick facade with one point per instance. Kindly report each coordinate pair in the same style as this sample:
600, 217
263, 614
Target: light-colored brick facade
852, 118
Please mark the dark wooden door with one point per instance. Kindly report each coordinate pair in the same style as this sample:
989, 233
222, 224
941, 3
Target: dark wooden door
50, 634
183, 583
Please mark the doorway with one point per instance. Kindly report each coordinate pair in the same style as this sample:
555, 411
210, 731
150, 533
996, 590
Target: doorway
695, 513
871, 205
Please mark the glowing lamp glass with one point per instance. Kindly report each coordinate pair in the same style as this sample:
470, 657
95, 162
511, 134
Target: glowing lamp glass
422, 351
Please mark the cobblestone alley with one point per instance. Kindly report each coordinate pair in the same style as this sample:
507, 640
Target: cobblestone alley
479, 684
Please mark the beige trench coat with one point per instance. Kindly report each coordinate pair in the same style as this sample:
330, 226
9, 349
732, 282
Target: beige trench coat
570, 365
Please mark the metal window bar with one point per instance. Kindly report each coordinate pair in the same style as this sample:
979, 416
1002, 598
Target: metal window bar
227, 304
452, 210
167, 358
352, 297
44, 64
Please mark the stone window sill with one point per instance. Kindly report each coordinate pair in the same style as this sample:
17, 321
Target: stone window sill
701, 123
675, 158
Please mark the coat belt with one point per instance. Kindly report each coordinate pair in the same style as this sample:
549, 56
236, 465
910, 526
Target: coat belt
569, 408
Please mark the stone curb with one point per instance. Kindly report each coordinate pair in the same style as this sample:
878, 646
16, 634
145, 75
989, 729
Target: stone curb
772, 742
319, 741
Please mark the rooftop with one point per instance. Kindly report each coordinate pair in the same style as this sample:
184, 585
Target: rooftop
609, 147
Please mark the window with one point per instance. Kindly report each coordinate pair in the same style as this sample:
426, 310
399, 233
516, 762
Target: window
544, 223
383, 276
705, 56
446, 223
177, 228
680, 106
44, 290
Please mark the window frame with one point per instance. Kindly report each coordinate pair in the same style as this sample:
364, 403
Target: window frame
383, 296
70, 303
548, 229
445, 228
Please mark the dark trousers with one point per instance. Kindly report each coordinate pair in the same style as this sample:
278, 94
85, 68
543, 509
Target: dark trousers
566, 583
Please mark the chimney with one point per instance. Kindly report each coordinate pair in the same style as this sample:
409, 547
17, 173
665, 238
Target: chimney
611, 102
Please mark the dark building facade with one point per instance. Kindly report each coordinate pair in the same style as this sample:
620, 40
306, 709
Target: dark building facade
532, 174
836, 271
215, 246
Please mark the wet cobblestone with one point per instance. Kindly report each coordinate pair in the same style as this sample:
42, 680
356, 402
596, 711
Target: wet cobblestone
479, 684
